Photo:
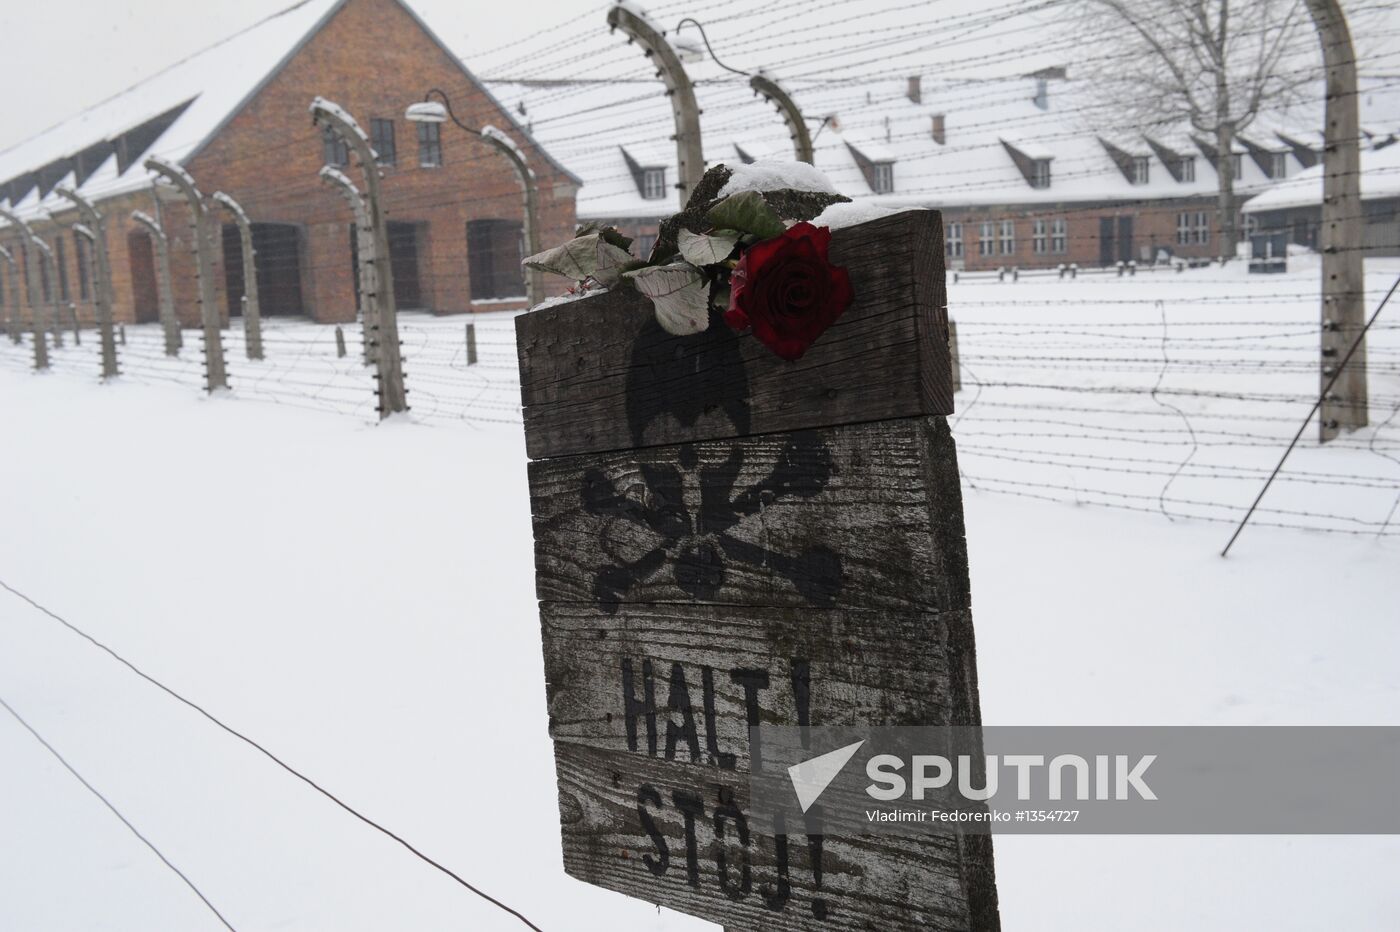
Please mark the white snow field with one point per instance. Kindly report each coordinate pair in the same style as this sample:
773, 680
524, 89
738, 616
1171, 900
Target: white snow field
360, 599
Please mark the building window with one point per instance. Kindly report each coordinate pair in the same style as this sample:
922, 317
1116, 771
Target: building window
80, 251
653, 183
1237, 160
1187, 168
953, 242
1278, 165
493, 259
883, 178
61, 260
1040, 173
429, 145
1142, 169
986, 239
381, 137
45, 283
1059, 236
1040, 238
645, 242
1249, 223
334, 151
1193, 228
1008, 237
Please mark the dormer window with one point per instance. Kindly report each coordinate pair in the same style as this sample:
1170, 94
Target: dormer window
1142, 169
882, 178
1040, 173
1186, 168
1278, 165
1238, 164
654, 184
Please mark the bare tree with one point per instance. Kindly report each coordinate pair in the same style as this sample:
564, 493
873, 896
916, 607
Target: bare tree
1213, 65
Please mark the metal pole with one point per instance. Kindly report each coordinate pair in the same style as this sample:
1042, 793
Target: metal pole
12, 323
774, 93
471, 344
215, 373
393, 396
534, 278
364, 255
169, 322
252, 316
1343, 274
690, 156
31, 281
94, 230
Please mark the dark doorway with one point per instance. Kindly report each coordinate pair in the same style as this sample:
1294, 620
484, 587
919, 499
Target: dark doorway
145, 299
277, 258
493, 259
403, 259
1115, 240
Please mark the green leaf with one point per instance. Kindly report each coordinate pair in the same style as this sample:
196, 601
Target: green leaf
679, 293
699, 249
588, 256
746, 212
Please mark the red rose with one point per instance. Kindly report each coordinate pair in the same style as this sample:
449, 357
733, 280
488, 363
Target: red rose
787, 290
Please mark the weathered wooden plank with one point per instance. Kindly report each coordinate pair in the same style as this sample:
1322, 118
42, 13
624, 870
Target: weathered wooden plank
685, 683
658, 832
864, 516
600, 374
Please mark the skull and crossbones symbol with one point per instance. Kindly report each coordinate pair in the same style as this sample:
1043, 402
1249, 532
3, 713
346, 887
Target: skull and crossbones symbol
692, 512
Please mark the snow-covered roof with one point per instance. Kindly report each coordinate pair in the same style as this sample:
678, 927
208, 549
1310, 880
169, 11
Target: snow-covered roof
587, 126
211, 85
1380, 180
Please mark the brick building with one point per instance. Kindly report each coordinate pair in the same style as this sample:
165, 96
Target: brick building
236, 117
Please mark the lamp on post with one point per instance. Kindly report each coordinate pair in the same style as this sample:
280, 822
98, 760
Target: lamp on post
393, 396
431, 111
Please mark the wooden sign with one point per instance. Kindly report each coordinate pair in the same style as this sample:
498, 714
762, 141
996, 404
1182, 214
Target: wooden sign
725, 539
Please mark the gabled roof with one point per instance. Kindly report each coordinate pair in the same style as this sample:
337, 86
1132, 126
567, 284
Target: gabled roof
1380, 180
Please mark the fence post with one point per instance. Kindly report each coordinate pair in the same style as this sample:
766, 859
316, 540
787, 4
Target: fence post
1343, 279
393, 395
11, 301
773, 92
31, 286
216, 376
168, 321
47, 264
690, 157
339, 342
471, 344
252, 312
94, 230
364, 255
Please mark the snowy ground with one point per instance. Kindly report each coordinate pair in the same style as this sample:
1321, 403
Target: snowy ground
360, 599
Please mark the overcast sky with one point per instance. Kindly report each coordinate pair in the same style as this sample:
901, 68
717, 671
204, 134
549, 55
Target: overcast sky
64, 55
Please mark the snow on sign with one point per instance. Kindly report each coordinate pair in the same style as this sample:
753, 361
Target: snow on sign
724, 538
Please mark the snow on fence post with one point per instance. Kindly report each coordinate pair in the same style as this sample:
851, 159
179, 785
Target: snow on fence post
94, 230
215, 373
170, 324
393, 395
690, 157
252, 316
9, 297
364, 256
708, 556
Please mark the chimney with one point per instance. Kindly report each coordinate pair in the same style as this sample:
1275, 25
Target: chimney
916, 89
939, 130
1042, 92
